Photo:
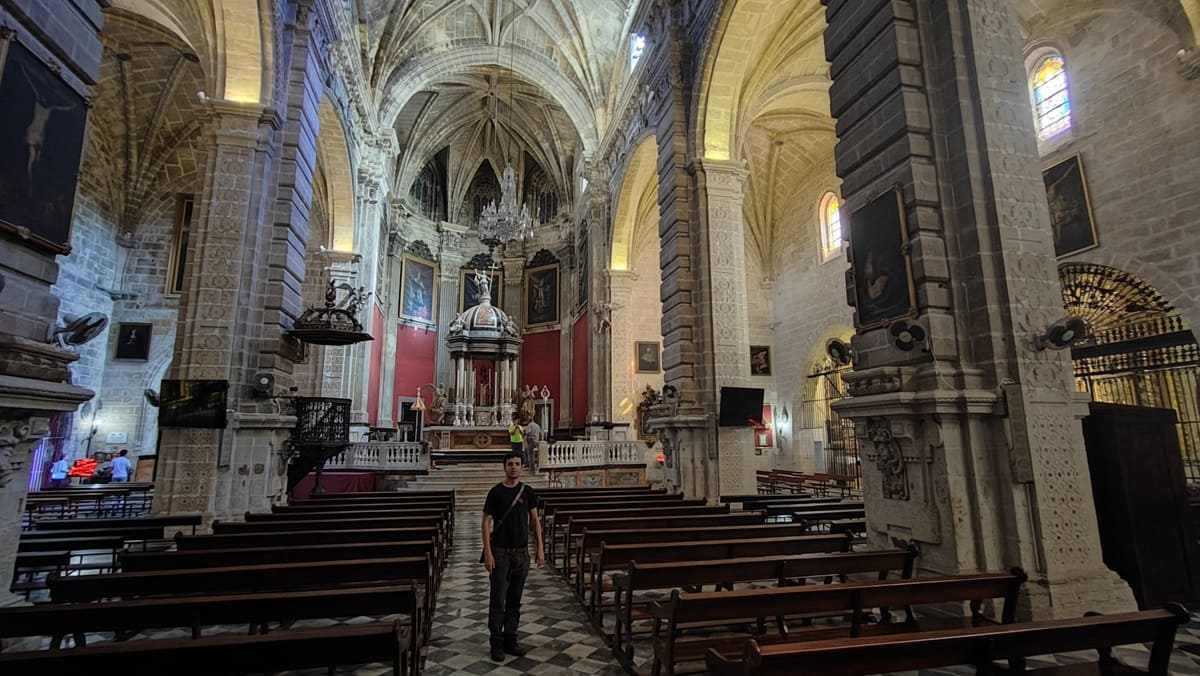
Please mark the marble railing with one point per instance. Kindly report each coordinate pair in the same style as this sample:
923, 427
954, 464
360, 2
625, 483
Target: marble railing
387, 456
580, 454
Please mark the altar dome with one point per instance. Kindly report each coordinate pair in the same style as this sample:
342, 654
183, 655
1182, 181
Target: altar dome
483, 320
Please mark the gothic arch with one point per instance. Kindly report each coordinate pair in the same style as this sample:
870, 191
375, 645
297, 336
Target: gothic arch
640, 171
402, 84
334, 157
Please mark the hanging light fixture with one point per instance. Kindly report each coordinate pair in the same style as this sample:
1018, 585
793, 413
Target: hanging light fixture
509, 221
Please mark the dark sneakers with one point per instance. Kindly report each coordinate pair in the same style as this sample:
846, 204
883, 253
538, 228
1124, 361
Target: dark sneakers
497, 652
511, 647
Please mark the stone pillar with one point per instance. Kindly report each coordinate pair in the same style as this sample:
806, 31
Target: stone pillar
450, 263
219, 298
719, 186
600, 340
19, 434
620, 289
970, 439
337, 376
514, 287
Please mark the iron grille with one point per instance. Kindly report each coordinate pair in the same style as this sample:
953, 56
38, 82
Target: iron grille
322, 422
841, 443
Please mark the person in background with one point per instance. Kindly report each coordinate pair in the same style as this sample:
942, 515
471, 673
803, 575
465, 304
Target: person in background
516, 435
58, 473
533, 437
122, 467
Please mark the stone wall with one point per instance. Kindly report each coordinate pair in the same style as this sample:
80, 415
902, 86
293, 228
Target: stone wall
1134, 127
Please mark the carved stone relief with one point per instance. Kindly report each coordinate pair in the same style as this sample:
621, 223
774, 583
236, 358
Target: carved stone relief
881, 443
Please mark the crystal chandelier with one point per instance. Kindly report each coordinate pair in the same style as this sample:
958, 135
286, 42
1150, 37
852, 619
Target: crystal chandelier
508, 222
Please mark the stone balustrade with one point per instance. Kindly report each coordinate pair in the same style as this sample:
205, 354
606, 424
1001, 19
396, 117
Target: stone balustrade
387, 456
565, 455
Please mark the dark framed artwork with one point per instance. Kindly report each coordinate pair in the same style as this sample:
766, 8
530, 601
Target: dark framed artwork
133, 341
418, 289
883, 285
42, 125
541, 296
649, 359
760, 360
1071, 220
468, 295
193, 403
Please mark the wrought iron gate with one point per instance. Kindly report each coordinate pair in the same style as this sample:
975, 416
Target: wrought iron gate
841, 445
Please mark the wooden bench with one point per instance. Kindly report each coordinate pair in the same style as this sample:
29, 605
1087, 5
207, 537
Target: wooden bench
257, 556
230, 527
561, 528
851, 600
757, 501
297, 649
617, 557
782, 570
128, 618
398, 495
975, 646
304, 538
577, 525
356, 516
814, 514
136, 522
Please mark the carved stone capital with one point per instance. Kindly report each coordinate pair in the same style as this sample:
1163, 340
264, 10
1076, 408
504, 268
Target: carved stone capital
18, 435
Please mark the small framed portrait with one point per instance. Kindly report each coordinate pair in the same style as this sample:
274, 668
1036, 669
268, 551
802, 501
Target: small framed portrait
42, 125
469, 290
760, 360
541, 296
649, 359
1071, 220
882, 270
133, 341
418, 289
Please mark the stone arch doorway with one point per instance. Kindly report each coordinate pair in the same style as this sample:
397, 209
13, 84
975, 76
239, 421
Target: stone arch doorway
830, 436
1139, 351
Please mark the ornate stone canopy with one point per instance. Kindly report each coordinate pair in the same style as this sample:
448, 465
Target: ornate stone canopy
484, 344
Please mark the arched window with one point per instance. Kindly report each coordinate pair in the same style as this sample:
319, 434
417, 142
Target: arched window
831, 226
637, 45
1051, 99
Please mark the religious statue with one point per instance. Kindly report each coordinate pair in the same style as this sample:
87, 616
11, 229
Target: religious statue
438, 410
483, 282
528, 395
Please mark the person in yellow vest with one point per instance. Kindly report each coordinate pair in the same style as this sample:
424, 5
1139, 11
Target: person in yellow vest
516, 435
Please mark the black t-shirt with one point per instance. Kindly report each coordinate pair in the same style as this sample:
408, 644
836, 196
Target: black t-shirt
514, 532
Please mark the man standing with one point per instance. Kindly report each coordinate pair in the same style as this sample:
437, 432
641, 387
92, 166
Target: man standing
516, 434
533, 437
511, 505
121, 467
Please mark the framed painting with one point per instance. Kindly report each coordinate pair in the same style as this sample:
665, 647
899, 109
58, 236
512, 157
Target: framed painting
418, 289
1071, 220
649, 360
469, 290
541, 296
42, 125
133, 341
883, 280
760, 360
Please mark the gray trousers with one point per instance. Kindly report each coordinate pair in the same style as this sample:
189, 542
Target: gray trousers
507, 583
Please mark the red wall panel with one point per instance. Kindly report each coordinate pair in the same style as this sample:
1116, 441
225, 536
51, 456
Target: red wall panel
579, 371
379, 328
541, 359
416, 352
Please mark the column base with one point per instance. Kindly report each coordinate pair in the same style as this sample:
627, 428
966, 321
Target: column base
1101, 591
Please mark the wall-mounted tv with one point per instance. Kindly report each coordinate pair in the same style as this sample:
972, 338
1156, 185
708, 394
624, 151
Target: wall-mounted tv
193, 403
741, 407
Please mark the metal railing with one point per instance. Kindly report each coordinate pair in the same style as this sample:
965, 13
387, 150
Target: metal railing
574, 454
389, 456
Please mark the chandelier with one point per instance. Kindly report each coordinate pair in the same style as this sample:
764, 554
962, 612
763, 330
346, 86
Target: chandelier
508, 222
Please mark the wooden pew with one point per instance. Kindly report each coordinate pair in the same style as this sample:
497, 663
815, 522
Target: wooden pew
757, 501
782, 570
353, 516
128, 618
562, 521
297, 649
229, 527
142, 522
975, 646
576, 526
132, 562
304, 538
617, 557
851, 600
399, 496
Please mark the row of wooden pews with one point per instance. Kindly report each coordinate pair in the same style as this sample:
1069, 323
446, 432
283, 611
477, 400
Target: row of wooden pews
776, 481
766, 590
127, 499
312, 559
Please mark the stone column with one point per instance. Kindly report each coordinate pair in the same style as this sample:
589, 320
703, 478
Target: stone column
600, 340
337, 377
20, 432
620, 289
719, 187
970, 439
514, 287
218, 302
450, 263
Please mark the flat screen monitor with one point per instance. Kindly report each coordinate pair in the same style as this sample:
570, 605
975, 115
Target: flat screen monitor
741, 406
193, 403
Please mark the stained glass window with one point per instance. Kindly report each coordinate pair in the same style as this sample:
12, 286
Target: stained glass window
831, 225
637, 44
1051, 100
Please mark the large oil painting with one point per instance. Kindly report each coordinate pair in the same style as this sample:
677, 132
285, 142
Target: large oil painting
42, 125
883, 284
418, 289
1071, 218
541, 296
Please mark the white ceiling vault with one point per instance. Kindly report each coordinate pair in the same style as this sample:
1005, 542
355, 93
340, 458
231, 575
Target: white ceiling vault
493, 79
